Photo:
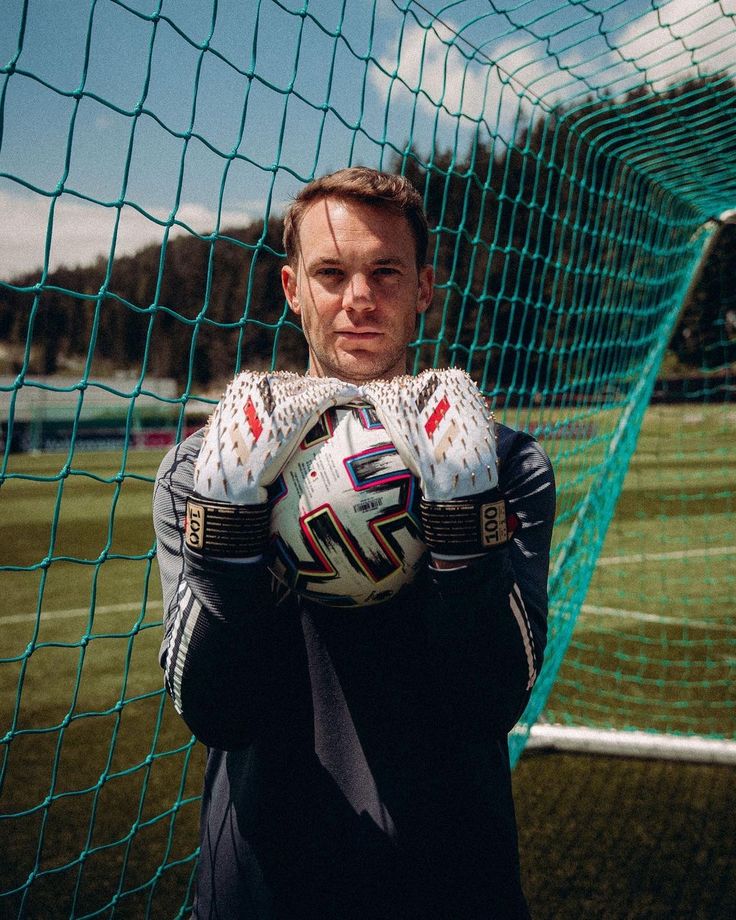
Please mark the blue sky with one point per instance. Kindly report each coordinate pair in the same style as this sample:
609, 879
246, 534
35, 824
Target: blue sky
120, 115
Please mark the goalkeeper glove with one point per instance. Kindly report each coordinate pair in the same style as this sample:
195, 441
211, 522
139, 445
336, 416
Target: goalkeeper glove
250, 437
445, 433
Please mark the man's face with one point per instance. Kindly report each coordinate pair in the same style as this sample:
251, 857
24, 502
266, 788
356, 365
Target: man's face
357, 289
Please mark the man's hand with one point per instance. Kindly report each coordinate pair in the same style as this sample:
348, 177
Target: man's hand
445, 433
250, 437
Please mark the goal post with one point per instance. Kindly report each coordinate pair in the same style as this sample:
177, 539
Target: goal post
576, 167
651, 658
659, 662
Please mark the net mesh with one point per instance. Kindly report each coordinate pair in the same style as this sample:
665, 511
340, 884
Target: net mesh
574, 160
653, 647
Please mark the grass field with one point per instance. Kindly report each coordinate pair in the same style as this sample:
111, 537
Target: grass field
654, 646
100, 782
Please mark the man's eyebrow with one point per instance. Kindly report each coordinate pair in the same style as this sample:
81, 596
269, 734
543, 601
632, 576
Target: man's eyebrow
390, 260
326, 260
330, 261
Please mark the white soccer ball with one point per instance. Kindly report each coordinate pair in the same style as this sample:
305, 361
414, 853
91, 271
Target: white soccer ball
344, 525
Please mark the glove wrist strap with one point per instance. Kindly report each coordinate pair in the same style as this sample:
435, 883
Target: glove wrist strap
465, 526
224, 530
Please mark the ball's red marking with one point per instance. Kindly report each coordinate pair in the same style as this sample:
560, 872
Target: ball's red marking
254, 422
430, 426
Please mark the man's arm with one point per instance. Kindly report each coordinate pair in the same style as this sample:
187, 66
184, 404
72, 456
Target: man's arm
221, 631
231, 662
487, 621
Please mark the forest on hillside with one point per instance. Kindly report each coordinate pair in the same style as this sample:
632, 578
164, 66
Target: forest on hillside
506, 227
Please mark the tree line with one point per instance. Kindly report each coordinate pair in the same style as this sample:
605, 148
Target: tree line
530, 242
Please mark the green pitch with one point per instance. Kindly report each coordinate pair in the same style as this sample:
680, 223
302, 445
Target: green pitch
94, 771
654, 645
100, 780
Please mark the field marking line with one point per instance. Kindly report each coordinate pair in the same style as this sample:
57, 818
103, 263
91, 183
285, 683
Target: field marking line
74, 612
641, 615
674, 554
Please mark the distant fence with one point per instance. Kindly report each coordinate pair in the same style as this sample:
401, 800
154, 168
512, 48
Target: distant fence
52, 413
49, 435
47, 414
706, 388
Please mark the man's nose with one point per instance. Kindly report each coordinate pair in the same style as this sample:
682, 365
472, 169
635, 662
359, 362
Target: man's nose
358, 294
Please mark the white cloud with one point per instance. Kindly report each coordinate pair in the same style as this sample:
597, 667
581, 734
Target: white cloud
516, 70
668, 43
450, 82
80, 231
431, 63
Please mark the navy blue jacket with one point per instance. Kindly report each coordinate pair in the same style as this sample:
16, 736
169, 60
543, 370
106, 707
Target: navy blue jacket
358, 764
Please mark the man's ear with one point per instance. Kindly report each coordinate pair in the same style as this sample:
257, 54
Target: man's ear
288, 282
426, 288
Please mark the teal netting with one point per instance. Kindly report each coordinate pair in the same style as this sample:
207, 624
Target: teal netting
575, 160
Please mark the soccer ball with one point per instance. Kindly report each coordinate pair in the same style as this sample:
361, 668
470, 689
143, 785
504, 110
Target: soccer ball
344, 524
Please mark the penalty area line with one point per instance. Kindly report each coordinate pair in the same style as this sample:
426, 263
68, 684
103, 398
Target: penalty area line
700, 553
619, 613
75, 612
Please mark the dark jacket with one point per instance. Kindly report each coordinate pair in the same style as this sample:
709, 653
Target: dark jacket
358, 763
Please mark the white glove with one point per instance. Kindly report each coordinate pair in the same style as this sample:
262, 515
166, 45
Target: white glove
250, 437
445, 433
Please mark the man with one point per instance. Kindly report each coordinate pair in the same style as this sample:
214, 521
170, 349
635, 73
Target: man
358, 763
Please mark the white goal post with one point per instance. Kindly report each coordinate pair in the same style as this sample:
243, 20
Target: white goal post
619, 743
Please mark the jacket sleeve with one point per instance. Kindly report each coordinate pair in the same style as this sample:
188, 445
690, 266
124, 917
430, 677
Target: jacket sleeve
224, 652
487, 622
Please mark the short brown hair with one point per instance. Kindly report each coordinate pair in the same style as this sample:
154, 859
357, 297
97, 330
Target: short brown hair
358, 183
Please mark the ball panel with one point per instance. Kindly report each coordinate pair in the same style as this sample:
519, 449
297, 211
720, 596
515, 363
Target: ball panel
344, 525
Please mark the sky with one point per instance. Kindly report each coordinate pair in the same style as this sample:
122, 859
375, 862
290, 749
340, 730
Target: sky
122, 118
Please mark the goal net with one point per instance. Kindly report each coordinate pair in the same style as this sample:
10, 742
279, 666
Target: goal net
650, 665
576, 165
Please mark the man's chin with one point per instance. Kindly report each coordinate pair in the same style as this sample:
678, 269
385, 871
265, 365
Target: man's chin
361, 366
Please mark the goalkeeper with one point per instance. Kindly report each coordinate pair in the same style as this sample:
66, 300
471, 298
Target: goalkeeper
357, 763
